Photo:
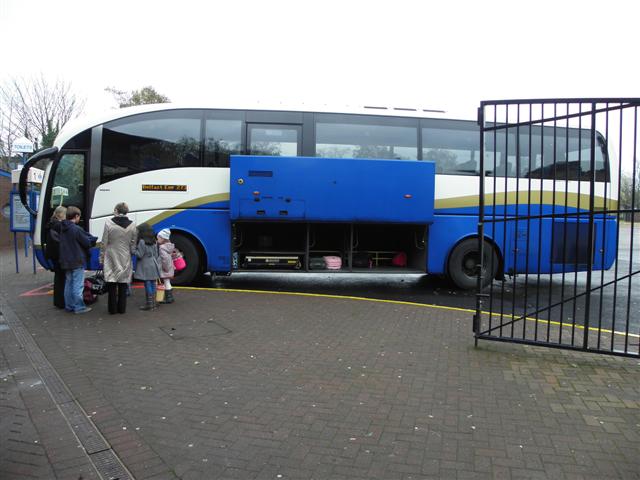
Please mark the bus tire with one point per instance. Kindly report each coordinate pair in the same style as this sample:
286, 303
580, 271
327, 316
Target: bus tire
192, 258
463, 261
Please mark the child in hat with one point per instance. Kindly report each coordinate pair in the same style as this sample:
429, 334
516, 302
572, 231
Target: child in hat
166, 249
148, 265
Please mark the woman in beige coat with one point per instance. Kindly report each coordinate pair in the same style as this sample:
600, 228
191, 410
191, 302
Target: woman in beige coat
118, 244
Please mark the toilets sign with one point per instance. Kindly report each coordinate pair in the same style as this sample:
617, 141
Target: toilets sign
22, 145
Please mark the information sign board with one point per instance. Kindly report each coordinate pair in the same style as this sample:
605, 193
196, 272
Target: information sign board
20, 218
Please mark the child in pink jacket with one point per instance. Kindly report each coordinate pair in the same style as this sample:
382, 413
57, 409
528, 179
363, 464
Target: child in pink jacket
166, 249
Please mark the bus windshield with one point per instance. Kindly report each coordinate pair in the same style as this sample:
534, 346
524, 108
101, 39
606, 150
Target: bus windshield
68, 182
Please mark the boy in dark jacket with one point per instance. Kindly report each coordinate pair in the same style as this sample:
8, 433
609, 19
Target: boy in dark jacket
74, 251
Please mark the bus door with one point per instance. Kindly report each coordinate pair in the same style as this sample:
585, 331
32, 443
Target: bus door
279, 140
67, 185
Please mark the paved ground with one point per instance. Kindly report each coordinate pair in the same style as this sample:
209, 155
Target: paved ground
247, 385
533, 291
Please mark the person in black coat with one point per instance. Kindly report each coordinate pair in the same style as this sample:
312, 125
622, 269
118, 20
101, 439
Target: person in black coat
52, 252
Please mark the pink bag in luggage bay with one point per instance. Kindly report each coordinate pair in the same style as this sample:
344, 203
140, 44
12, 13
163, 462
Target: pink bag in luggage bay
333, 263
178, 261
399, 260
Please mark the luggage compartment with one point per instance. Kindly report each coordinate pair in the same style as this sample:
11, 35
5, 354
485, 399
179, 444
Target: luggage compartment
269, 246
330, 247
386, 245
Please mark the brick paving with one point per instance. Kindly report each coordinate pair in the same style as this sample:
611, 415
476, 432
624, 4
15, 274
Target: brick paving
35, 440
247, 385
22, 451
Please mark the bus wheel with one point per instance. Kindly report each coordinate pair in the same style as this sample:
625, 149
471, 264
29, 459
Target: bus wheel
192, 258
463, 263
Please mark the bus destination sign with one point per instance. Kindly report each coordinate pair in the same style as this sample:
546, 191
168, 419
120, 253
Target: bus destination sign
147, 187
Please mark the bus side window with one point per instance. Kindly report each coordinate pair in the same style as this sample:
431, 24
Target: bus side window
452, 145
151, 141
561, 155
364, 138
222, 138
501, 153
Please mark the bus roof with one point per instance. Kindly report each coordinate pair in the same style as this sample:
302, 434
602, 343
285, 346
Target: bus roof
83, 123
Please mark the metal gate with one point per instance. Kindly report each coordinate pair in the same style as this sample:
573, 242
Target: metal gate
559, 211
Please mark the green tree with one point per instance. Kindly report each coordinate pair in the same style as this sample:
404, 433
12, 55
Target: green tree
143, 96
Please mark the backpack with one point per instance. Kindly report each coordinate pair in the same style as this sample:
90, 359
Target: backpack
89, 296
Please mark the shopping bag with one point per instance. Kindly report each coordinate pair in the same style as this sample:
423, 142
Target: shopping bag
159, 294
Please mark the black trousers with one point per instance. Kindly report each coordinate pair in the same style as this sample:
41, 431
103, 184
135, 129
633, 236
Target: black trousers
58, 287
117, 297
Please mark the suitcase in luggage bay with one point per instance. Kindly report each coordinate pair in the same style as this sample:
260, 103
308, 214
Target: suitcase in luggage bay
317, 263
333, 262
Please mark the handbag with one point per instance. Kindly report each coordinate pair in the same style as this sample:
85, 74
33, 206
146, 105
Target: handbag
178, 261
97, 283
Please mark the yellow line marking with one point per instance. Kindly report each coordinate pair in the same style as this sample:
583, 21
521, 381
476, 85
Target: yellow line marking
560, 324
399, 302
326, 295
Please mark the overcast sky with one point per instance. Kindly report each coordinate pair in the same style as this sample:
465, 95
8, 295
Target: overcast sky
422, 54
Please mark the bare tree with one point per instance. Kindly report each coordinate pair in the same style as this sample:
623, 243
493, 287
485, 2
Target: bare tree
36, 108
9, 132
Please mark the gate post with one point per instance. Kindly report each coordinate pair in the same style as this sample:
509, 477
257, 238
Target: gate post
591, 239
477, 316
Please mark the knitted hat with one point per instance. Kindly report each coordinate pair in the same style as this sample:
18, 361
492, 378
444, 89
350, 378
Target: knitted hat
165, 233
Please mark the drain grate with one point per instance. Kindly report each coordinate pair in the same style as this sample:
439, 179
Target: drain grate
196, 329
56, 386
104, 459
84, 429
109, 466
